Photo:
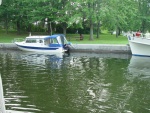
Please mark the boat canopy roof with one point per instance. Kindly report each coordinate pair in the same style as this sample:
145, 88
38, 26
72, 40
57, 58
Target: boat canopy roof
45, 37
55, 36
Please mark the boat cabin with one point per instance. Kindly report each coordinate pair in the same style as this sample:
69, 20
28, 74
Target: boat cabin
53, 43
54, 40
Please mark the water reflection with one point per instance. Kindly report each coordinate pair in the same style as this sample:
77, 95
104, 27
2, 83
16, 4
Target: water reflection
139, 79
140, 66
79, 83
18, 66
35, 59
54, 61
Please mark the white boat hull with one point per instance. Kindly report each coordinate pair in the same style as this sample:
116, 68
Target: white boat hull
45, 44
139, 46
40, 49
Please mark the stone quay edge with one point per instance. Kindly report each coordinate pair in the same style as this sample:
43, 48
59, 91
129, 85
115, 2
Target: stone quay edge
113, 48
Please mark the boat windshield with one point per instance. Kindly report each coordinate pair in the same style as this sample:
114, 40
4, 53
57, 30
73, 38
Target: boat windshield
65, 40
53, 41
62, 40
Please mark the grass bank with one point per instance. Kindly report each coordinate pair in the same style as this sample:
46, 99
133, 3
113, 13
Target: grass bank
74, 38
8, 38
103, 39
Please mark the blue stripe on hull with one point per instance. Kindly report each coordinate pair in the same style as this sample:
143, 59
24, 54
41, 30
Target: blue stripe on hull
141, 55
39, 48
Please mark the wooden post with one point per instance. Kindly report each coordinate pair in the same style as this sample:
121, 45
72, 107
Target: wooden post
2, 101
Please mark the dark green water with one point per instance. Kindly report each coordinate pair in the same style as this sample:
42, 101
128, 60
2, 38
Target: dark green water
79, 83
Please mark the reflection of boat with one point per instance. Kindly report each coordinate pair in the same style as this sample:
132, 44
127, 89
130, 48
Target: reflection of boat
49, 44
139, 45
42, 60
2, 101
139, 66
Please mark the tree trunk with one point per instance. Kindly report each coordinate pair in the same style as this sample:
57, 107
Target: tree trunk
6, 24
116, 32
48, 27
29, 28
64, 30
119, 31
143, 26
98, 29
18, 27
91, 30
51, 28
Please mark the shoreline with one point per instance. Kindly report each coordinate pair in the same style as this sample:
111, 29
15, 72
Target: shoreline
98, 48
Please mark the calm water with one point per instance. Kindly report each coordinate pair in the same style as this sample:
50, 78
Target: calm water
79, 83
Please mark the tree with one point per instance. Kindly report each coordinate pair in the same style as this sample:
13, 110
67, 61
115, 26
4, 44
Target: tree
5, 13
86, 12
120, 13
111, 14
144, 14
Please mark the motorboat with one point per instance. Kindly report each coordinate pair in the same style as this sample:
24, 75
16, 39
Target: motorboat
139, 45
50, 44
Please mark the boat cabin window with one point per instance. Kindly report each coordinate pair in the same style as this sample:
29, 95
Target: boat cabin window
41, 41
54, 41
30, 41
47, 42
51, 41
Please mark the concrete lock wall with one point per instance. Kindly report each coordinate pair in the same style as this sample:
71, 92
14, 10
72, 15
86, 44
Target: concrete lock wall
8, 46
83, 47
102, 48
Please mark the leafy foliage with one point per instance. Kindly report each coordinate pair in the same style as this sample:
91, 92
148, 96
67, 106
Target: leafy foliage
109, 14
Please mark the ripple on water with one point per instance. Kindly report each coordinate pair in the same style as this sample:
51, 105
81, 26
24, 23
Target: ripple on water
79, 83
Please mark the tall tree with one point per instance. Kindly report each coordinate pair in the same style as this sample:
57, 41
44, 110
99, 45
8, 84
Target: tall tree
5, 13
144, 14
86, 11
119, 14
63, 13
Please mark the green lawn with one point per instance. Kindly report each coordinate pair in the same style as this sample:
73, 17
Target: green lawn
103, 39
8, 38
74, 38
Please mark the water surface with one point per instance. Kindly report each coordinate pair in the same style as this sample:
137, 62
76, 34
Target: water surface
78, 83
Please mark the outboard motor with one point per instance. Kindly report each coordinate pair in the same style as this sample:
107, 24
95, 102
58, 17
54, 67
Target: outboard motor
66, 47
